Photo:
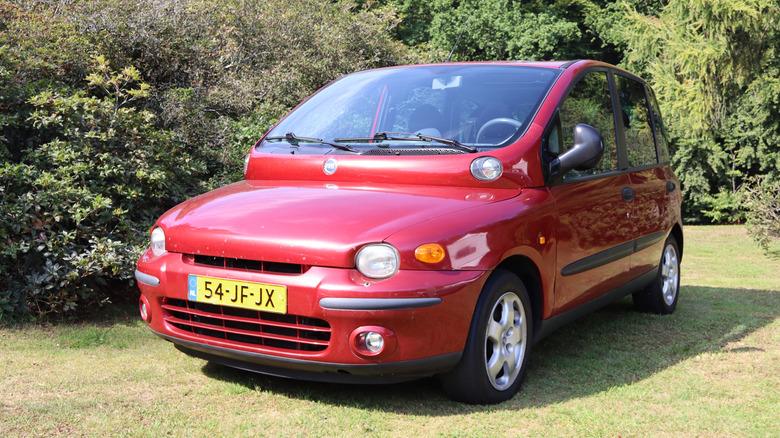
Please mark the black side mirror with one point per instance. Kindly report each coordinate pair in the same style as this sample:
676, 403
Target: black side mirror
587, 152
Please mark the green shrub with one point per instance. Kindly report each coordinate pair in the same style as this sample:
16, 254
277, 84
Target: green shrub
92, 155
762, 199
214, 62
725, 207
78, 207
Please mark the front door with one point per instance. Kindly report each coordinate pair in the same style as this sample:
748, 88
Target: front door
595, 234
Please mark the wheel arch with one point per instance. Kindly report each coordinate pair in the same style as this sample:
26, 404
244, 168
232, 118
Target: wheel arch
677, 233
528, 272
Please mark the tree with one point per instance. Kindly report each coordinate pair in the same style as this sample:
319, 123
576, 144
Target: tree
509, 29
714, 67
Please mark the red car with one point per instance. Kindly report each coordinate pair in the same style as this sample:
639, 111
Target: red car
425, 220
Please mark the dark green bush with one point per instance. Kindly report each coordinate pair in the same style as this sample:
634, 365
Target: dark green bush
78, 207
91, 155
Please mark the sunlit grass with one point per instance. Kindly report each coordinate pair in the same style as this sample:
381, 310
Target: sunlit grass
710, 369
726, 256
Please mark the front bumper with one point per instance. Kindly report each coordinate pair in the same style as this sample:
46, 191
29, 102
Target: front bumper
428, 312
371, 373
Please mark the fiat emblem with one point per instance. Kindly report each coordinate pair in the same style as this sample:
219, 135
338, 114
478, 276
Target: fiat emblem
330, 166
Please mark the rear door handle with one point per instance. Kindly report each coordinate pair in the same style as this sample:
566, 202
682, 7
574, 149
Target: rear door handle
628, 193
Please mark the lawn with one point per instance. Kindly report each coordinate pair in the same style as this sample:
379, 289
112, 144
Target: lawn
710, 369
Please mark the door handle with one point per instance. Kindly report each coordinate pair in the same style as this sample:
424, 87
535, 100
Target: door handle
628, 193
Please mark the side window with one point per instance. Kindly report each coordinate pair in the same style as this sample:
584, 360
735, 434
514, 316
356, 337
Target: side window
640, 142
660, 130
588, 102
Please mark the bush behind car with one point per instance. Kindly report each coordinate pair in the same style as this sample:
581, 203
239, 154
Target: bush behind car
87, 164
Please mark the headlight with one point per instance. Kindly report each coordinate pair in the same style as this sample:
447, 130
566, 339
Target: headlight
378, 260
486, 168
158, 242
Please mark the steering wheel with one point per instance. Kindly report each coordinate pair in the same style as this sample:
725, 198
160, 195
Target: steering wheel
500, 120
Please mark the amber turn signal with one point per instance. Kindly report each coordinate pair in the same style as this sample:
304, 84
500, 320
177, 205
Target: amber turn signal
429, 253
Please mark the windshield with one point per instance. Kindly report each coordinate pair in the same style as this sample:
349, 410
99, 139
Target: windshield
423, 110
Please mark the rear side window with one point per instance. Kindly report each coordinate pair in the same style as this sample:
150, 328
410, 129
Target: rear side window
640, 140
660, 130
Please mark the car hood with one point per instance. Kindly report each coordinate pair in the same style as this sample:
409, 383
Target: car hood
305, 223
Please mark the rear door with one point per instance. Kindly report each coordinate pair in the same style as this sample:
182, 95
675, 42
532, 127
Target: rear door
652, 181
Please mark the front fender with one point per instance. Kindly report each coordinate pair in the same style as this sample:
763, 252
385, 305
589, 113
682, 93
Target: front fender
481, 237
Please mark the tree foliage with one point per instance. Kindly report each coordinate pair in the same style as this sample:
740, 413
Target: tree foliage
77, 207
714, 67
509, 29
112, 111
493, 29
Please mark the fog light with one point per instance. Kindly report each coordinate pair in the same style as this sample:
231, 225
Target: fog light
374, 342
146, 310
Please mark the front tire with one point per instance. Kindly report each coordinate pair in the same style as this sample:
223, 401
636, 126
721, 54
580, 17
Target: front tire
662, 295
497, 349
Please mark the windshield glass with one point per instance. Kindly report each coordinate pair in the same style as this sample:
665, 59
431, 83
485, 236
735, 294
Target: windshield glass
430, 109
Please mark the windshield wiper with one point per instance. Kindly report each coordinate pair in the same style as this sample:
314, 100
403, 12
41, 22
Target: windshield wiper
294, 139
411, 136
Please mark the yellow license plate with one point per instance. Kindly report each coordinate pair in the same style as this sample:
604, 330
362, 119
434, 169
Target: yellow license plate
243, 294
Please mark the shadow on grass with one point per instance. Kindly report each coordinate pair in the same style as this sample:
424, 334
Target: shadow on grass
612, 347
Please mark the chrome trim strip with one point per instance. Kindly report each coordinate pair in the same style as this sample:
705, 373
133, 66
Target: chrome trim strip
149, 280
335, 303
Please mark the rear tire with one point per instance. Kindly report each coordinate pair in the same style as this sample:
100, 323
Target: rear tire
662, 295
495, 358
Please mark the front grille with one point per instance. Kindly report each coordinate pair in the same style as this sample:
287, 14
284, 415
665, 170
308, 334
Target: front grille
250, 265
288, 332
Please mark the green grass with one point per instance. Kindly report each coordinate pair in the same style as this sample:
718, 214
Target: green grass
710, 369
725, 256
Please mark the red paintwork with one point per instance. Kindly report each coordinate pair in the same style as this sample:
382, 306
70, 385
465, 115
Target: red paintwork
288, 210
457, 289
591, 218
281, 221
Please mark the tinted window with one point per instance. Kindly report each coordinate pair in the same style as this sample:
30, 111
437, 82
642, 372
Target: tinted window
640, 141
660, 131
588, 102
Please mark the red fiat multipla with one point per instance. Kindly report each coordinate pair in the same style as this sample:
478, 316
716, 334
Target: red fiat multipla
425, 220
